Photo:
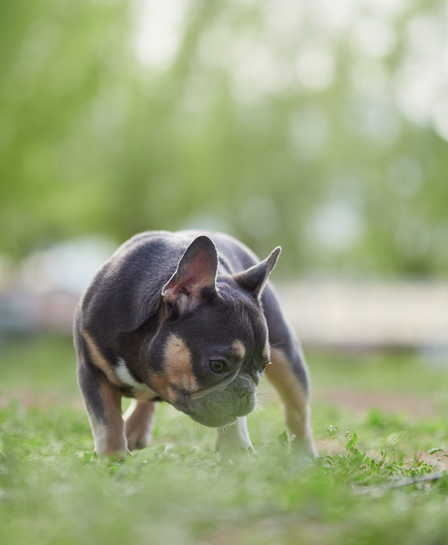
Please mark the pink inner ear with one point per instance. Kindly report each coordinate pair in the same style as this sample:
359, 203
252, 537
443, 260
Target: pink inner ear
191, 278
199, 272
187, 285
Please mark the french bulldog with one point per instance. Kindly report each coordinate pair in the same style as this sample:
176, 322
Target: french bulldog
188, 318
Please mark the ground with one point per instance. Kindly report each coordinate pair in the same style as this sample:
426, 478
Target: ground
385, 414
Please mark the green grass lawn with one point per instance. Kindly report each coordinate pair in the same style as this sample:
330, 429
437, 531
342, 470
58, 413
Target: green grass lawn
54, 490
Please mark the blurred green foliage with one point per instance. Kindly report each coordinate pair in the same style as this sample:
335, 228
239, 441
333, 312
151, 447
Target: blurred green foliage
317, 126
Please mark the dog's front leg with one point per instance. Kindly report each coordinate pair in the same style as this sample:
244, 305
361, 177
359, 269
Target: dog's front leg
232, 440
103, 404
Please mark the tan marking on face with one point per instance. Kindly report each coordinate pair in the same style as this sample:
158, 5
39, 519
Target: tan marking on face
291, 392
238, 349
99, 360
178, 370
266, 351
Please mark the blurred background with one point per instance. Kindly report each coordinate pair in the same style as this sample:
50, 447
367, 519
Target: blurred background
316, 125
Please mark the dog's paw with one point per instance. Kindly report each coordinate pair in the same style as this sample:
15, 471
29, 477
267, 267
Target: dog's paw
138, 439
233, 441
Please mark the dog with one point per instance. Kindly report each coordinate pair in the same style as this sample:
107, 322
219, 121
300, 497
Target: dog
189, 318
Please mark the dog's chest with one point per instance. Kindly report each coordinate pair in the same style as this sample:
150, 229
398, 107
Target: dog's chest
135, 389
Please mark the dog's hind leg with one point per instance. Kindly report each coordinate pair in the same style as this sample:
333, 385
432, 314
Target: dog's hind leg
139, 419
288, 373
294, 397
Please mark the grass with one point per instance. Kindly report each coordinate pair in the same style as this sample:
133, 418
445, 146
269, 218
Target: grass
54, 491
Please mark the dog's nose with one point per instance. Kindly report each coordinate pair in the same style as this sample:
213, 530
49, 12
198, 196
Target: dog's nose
246, 402
245, 393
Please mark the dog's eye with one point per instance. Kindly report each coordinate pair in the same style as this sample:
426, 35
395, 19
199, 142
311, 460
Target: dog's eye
218, 366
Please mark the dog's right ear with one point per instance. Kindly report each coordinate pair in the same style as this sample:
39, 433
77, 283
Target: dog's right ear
194, 278
254, 279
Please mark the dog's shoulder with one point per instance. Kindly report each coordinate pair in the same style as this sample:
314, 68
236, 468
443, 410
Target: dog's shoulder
127, 287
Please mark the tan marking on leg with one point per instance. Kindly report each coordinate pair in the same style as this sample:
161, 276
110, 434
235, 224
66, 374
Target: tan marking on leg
239, 349
177, 372
138, 424
293, 396
109, 436
99, 360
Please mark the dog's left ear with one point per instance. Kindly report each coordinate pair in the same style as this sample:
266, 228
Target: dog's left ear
195, 276
255, 278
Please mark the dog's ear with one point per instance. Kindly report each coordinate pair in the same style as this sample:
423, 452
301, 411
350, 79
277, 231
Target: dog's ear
254, 279
195, 276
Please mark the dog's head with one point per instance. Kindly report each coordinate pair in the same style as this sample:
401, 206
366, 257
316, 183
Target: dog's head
211, 346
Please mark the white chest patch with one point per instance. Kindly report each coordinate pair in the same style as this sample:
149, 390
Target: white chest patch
125, 376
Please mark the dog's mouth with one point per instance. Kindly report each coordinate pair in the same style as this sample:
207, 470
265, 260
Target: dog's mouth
220, 405
212, 422
214, 413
